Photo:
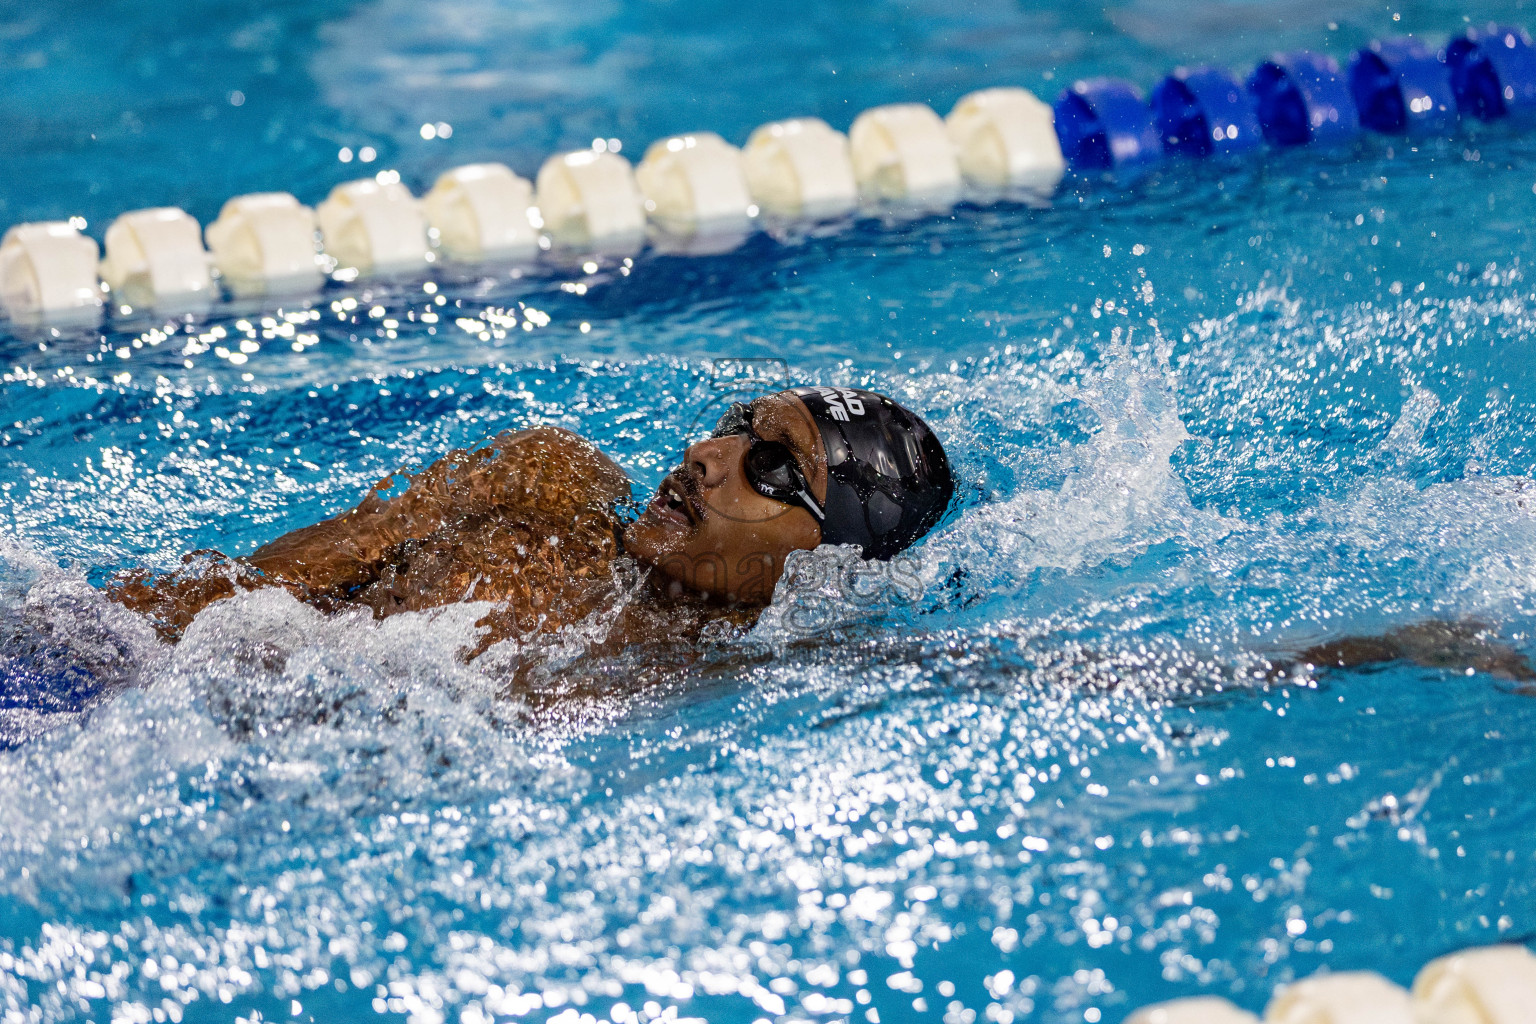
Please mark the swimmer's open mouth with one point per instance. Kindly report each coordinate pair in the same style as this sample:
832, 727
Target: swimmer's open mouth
673, 502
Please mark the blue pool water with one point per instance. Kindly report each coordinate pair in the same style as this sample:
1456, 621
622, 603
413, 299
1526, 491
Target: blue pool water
1041, 772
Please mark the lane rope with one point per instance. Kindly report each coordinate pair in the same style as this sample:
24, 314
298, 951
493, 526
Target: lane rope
697, 193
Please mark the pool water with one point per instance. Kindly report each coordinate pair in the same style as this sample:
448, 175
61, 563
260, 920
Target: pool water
1055, 765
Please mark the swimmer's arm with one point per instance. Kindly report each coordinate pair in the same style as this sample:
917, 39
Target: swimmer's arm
1432, 644
335, 555
315, 563
545, 468
170, 601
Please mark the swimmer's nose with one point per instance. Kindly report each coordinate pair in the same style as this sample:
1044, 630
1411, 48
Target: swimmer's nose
709, 462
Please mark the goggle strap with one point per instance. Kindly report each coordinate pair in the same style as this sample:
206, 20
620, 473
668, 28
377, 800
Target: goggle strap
811, 506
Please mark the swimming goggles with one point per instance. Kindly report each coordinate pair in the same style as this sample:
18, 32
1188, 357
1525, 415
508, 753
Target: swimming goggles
771, 467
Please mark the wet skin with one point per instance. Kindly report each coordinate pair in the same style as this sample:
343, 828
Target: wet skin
1456, 646
710, 532
529, 523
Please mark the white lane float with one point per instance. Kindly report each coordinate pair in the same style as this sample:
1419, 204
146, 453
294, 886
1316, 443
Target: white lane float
800, 168
1197, 1010
902, 155
375, 226
588, 199
1492, 985
1005, 138
694, 185
48, 271
1347, 997
156, 257
481, 212
264, 243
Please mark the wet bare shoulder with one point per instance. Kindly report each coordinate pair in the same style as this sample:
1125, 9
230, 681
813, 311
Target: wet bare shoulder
546, 467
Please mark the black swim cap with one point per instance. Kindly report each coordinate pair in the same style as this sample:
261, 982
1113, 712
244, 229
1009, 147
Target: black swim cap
888, 480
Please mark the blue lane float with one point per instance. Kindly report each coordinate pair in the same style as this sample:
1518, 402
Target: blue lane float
1103, 124
1202, 112
1302, 98
1399, 86
1493, 72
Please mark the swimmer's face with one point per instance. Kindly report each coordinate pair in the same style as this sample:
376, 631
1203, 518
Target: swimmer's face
711, 531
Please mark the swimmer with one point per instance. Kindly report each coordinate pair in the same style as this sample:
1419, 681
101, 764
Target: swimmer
532, 522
